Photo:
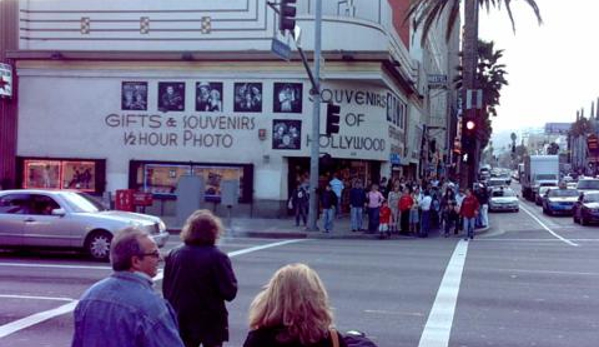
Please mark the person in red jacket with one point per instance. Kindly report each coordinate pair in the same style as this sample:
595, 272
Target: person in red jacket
469, 211
384, 219
405, 204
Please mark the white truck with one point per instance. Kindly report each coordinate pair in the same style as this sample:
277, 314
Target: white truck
539, 171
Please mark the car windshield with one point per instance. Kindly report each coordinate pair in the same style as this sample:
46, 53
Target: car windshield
82, 202
591, 197
504, 192
562, 192
545, 177
588, 184
496, 182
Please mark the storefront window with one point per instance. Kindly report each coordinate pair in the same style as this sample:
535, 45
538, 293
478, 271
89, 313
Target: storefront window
60, 174
162, 178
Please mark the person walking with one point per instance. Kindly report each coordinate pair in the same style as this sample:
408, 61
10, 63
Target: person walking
425, 218
299, 200
469, 211
357, 199
198, 279
374, 198
293, 310
124, 308
393, 200
328, 202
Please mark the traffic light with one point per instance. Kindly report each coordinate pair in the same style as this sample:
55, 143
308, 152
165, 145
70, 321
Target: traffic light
469, 131
287, 13
333, 119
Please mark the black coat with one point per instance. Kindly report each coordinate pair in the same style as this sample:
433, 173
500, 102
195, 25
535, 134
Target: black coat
267, 337
197, 281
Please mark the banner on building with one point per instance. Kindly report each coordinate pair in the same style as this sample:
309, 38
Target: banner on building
5, 80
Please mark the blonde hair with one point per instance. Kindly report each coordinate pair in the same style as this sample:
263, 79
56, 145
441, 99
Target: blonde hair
295, 298
201, 228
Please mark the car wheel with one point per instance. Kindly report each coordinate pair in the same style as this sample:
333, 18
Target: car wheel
97, 245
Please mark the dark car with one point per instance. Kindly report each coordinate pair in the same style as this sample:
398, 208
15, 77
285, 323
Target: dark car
586, 209
559, 200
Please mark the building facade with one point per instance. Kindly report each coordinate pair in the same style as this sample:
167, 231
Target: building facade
117, 95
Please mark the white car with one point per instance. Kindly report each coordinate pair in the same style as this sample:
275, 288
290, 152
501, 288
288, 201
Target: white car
67, 219
503, 199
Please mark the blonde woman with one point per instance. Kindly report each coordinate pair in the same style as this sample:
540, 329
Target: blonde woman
292, 311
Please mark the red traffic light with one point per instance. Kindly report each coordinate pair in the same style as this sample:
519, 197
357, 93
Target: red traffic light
470, 125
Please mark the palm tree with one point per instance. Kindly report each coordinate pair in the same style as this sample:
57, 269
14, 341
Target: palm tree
427, 12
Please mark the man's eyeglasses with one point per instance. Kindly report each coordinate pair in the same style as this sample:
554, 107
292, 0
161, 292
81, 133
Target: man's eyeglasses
154, 254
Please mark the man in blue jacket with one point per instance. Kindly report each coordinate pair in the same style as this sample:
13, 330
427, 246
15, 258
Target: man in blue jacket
124, 309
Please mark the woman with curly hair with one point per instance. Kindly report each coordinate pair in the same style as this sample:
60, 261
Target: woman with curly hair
292, 311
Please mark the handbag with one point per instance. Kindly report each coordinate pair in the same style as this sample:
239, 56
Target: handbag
290, 204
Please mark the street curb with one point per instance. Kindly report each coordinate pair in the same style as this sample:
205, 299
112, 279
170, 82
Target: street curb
322, 235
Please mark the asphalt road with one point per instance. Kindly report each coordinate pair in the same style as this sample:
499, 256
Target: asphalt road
532, 280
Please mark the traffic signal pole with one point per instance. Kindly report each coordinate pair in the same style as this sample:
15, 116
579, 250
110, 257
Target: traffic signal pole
315, 144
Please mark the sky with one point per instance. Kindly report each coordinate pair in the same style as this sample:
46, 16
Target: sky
553, 69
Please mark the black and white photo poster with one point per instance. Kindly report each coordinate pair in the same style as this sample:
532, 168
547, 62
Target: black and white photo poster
287, 98
248, 97
209, 97
286, 134
134, 96
171, 96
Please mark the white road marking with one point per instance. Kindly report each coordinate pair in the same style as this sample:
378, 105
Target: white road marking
440, 320
34, 319
37, 318
33, 297
233, 254
547, 228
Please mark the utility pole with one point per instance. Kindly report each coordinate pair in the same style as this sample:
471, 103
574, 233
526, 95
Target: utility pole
469, 82
315, 144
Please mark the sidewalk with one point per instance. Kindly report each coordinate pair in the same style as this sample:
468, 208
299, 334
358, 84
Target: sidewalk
284, 228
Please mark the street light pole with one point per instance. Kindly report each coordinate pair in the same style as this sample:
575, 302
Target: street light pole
315, 143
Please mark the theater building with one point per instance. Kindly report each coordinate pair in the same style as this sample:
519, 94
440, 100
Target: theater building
113, 95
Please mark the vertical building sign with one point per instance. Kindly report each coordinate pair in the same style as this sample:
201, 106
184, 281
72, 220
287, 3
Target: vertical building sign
5, 80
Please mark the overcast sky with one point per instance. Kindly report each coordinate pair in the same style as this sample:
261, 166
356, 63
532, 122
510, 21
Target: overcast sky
553, 68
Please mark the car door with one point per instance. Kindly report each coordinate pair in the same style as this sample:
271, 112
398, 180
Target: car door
42, 228
13, 212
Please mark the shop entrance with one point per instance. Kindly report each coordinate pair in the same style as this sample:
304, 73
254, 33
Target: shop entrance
347, 170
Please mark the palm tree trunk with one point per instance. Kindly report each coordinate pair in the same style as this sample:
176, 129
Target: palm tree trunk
470, 60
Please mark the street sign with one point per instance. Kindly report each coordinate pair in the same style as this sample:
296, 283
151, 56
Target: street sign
474, 99
281, 49
437, 81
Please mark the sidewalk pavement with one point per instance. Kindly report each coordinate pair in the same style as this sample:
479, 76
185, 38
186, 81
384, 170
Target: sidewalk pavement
284, 228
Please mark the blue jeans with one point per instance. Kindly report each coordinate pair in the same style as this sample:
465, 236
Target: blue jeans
469, 226
373, 219
356, 218
328, 216
425, 223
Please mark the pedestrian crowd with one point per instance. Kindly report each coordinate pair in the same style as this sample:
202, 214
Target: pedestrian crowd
398, 206
292, 310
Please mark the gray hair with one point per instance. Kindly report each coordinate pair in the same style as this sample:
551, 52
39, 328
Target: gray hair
124, 246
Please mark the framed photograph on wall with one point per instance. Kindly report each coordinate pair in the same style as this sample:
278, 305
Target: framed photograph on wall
134, 96
287, 98
248, 97
286, 134
209, 97
171, 96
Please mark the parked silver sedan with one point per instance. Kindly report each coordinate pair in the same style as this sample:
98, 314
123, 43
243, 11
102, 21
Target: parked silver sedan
67, 219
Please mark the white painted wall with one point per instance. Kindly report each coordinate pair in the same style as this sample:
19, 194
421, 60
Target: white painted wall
75, 112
